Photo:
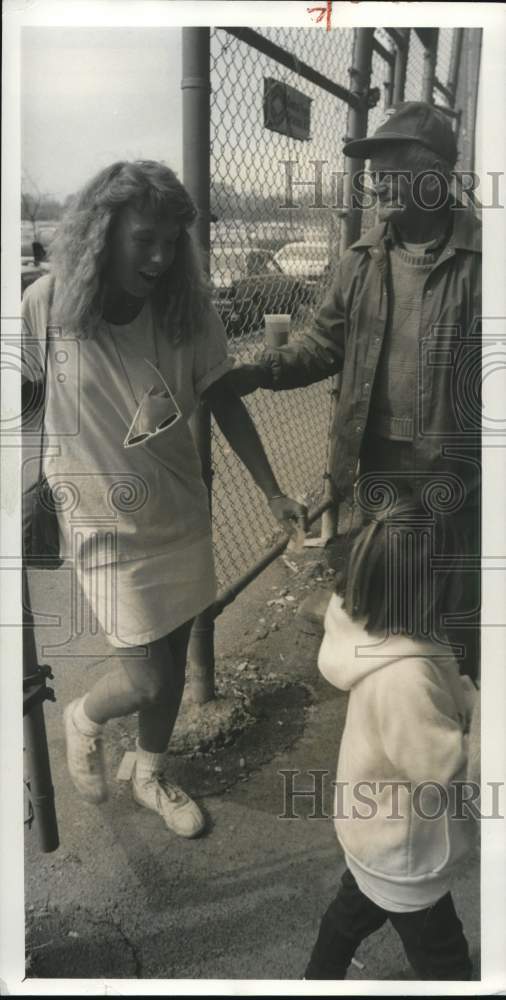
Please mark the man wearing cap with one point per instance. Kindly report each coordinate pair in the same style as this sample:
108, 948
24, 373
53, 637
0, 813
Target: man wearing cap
401, 324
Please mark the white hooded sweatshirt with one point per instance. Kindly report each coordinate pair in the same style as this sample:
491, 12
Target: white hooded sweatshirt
407, 716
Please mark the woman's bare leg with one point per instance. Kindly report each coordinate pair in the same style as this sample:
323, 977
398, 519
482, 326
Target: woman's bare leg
150, 684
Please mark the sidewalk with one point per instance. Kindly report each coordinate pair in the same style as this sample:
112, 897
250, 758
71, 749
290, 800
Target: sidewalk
122, 897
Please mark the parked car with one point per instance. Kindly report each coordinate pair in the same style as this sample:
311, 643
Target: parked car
251, 282
303, 260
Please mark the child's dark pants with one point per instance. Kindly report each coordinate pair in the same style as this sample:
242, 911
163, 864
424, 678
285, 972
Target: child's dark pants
433, 938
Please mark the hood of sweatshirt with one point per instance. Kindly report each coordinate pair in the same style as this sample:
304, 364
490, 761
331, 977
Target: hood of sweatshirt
348, 653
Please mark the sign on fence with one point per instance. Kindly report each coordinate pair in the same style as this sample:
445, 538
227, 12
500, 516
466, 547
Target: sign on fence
286, 110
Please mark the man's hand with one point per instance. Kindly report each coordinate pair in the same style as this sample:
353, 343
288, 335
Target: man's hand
244, 378
291, 515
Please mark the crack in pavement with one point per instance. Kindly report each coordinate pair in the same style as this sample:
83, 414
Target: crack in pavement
135, 954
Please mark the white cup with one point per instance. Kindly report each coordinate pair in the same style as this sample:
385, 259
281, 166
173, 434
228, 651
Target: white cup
277, 328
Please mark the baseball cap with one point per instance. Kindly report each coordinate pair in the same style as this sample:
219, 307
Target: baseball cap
411, 121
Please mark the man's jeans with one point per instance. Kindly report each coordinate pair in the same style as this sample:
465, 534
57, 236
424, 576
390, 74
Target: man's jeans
386, 468
433, 938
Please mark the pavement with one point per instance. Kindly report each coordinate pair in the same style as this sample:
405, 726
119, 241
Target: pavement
124, 898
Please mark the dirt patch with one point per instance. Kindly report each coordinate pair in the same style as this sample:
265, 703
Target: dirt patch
255, 715
278, 718
260, 706
73, 943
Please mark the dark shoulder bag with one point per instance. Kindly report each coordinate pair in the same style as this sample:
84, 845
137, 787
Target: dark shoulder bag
41, 540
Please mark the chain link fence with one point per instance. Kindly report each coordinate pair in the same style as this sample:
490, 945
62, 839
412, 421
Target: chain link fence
273, 250
275, 241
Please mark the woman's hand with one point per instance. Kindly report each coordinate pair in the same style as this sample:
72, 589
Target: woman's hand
291, 515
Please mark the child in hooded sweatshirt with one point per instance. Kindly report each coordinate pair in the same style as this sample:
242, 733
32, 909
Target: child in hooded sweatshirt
398, 814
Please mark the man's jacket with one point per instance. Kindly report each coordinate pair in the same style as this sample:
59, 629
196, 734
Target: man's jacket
347, 337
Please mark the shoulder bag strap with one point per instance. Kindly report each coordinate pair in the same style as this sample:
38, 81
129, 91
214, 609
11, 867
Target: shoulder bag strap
44, 379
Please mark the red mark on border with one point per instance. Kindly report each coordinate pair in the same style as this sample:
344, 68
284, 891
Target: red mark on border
322, 12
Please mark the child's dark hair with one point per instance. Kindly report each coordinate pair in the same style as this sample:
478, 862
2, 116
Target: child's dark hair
392, 582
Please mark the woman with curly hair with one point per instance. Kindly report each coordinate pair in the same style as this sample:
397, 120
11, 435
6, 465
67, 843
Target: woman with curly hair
127, 290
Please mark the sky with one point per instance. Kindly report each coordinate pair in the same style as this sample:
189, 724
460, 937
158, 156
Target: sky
90, 96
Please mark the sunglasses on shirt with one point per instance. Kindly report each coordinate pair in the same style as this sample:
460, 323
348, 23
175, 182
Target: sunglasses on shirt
157, 411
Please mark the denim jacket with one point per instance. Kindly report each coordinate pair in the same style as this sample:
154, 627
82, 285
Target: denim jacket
347, 337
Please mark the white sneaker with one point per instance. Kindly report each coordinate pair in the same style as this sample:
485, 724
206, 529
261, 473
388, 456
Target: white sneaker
85, 759
181, 814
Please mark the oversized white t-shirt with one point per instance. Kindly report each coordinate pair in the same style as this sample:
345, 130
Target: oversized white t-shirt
134, 520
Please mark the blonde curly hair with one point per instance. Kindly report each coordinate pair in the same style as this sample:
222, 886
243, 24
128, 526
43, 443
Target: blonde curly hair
80, 250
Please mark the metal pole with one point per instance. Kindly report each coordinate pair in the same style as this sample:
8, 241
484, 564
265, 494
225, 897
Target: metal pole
389, 82
401, 65
453, 72
398, 35
330, 514
35, 740
474, 56
257, 41
360, 73
196, 89
388, 56
429, 64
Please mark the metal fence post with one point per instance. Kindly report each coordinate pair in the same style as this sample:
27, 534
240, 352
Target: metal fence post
430, 42
360, 73
389, 82
401, 64
453, 72
196, 89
